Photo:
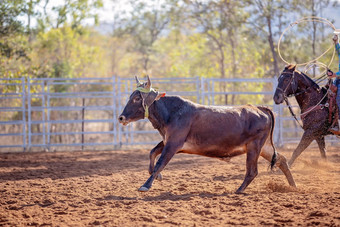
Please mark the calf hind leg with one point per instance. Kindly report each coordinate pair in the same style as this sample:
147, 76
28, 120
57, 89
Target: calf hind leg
267, 153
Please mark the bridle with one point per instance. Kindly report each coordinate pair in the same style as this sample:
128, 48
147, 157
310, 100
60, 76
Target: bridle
291, 84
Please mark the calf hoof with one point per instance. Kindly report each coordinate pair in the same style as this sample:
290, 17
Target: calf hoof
143, 189
159, 177
239, 191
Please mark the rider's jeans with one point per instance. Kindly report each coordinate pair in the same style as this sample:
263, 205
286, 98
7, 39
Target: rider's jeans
338, 96
337, 81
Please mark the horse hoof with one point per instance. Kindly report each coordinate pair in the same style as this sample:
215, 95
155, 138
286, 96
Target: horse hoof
159, 177
143, 189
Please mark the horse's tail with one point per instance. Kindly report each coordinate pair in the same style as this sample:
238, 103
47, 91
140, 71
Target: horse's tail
272, 118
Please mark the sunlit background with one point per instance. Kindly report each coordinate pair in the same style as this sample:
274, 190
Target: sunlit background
165, 38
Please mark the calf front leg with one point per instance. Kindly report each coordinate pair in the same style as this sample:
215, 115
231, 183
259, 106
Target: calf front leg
253, 153
267, 153
153, 154
168, 152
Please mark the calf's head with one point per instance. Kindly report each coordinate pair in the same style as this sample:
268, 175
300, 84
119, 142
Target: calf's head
139, 102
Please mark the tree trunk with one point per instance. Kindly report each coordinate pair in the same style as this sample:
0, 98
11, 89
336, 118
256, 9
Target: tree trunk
272, 48
234, 65
145, 63
222, 71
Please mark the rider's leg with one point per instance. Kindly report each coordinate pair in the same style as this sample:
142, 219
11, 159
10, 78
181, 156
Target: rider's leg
336, 126
337, 81
338, 96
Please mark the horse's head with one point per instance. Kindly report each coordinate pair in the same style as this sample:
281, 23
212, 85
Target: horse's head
287, 84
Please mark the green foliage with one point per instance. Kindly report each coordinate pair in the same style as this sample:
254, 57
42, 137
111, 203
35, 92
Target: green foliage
9, 12
213, 38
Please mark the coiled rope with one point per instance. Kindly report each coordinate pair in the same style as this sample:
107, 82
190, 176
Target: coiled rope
309, 64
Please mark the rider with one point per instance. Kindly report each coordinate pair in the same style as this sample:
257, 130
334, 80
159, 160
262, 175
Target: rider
337, 76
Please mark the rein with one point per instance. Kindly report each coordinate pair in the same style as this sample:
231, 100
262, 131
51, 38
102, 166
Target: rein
291, 111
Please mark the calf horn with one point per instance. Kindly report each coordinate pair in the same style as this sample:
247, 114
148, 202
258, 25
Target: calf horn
148, 84
137, 80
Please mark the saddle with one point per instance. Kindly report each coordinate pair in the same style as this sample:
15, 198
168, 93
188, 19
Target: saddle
333, 115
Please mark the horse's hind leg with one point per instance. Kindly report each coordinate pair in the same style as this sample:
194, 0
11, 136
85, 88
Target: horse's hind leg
305, 141
322, 146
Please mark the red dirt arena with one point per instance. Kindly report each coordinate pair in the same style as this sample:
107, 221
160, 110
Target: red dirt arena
100, 188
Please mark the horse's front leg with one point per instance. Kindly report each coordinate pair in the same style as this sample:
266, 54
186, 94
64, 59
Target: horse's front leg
322, 146
305, 141
153, 154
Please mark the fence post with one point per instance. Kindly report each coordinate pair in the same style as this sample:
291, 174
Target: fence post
114, 110
276, 108
43, 107
202, 90
23, 113
29, 113
82, 124
119, 83
48, 117
212, 95
131, 130
197, 89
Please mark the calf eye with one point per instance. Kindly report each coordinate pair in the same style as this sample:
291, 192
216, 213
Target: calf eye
137, 99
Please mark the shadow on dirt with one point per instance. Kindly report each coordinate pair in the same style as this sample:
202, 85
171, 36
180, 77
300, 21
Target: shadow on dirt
65, 165
167, 196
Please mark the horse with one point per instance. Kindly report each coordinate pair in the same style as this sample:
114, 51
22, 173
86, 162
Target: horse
313, 103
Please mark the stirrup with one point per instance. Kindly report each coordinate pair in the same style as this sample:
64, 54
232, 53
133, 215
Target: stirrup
337, 133
335, 130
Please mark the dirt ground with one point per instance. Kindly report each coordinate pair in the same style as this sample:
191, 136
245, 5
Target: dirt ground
100, 188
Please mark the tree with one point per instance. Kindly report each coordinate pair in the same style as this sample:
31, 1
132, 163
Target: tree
72, 12
144, 26
265, 14
221, 21
10, 26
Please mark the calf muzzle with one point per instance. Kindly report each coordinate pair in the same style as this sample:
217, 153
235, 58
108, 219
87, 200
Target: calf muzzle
122, 120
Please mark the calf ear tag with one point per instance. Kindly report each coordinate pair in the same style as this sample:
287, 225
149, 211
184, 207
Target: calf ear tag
160, 95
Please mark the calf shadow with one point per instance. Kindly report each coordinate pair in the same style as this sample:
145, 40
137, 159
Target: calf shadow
168, 196
61, 165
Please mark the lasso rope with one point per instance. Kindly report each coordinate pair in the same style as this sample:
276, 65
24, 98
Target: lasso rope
310, 64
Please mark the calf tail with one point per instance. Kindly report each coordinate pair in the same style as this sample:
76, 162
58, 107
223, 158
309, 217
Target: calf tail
274, 157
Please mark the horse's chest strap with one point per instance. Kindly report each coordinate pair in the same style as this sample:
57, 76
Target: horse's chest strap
313, 108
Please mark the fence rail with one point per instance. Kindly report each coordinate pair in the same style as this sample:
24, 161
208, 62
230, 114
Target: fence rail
54, 113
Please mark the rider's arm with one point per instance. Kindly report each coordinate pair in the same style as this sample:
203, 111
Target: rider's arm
337, 47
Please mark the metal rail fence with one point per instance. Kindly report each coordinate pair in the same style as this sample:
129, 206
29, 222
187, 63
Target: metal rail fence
13, 131
57, 113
